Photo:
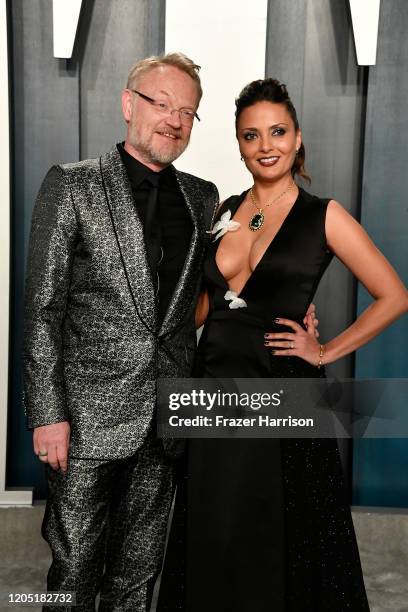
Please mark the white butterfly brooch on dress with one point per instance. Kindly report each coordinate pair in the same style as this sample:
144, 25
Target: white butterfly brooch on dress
224, 225
236, 302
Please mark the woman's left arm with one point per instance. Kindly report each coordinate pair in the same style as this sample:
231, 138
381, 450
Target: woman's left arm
351, 244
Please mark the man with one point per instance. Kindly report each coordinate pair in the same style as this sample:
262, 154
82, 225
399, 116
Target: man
116, 249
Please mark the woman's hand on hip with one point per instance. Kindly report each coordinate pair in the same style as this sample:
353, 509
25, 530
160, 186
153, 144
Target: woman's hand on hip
298, 343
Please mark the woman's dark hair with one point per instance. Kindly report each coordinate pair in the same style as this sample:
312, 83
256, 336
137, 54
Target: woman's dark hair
271, 90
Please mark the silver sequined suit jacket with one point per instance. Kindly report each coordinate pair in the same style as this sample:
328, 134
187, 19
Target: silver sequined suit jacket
93, 347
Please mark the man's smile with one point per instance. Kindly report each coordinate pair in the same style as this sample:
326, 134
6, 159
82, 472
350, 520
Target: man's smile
168, 134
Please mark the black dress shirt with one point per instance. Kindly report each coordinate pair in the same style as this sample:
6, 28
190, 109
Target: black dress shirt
174, 221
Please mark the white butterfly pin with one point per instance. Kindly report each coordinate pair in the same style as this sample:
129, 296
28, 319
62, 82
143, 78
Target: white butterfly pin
236, 302
224, 225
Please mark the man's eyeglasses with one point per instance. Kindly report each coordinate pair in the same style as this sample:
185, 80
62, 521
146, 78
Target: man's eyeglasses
186, 116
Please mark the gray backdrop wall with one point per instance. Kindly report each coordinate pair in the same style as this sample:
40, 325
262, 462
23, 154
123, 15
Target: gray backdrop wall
64, 111
380, 470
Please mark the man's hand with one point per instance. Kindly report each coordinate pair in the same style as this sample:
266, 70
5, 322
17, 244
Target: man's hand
310, 320
51, 443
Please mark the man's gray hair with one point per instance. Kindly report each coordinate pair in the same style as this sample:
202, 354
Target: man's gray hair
179, 60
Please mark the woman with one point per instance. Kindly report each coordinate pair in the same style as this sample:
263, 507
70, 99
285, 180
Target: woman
268, 527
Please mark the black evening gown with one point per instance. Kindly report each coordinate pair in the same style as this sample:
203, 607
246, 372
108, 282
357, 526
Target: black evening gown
263, 525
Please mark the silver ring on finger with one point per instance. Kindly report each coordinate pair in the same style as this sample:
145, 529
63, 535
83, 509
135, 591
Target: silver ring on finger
292, 344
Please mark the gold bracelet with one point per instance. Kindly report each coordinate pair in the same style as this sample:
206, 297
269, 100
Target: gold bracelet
321, 353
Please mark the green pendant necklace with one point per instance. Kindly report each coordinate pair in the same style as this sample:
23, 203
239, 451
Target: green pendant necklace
257, 220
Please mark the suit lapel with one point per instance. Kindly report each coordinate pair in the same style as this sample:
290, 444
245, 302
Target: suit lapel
129, 234
187, 284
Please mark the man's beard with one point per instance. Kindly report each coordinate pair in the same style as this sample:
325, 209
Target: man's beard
154, 154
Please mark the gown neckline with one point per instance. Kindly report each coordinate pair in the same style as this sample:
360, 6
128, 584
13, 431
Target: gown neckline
268, 247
